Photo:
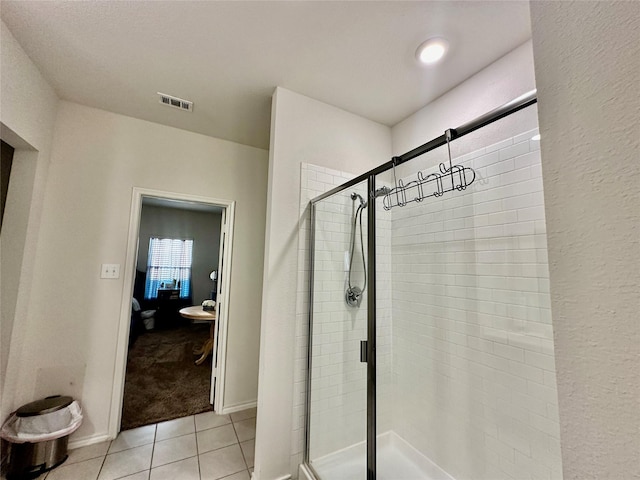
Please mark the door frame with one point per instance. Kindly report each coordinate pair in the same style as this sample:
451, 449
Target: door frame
223, 288
222, 308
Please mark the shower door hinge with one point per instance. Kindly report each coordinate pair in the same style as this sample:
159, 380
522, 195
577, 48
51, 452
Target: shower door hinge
363, 351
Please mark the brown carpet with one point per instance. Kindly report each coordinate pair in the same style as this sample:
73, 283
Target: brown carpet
162, 382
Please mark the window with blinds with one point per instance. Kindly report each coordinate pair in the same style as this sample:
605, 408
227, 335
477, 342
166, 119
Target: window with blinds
169, 266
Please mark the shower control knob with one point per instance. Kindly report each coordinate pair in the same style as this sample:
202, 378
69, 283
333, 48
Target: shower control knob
353, 296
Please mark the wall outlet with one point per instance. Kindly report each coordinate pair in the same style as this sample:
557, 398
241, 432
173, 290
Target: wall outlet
110, 270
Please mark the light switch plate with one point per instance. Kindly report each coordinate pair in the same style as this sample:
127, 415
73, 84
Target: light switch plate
110, 270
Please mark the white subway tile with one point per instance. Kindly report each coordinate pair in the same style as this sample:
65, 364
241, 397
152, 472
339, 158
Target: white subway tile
508, 351
525, 136
540, 360
499, 168
500, 145
514, 150
545, 425
526, 371
542, 392
503, 217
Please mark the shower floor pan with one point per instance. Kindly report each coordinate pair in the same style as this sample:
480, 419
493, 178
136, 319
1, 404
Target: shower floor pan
397, 460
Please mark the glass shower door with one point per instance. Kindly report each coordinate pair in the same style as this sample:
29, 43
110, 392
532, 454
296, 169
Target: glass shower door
465, 374
337, 395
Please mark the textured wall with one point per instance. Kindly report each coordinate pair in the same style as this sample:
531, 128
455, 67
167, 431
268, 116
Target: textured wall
28, 110
587, 60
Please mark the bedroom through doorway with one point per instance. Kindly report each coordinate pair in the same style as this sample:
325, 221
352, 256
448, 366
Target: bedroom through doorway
178, 258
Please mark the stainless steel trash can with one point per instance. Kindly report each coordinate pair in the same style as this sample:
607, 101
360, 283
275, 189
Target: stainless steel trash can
28, 460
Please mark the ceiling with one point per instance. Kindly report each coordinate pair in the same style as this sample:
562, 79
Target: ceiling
228, 56
181, 205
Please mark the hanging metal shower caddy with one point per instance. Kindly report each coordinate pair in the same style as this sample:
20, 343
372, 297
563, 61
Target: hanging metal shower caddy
453, 178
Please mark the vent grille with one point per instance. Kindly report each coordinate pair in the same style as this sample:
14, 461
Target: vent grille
176, 102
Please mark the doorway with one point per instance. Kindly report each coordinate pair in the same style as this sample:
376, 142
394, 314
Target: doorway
164, 338
6, 153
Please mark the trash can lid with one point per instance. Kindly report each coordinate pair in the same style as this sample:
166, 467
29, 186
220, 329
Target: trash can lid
44, 406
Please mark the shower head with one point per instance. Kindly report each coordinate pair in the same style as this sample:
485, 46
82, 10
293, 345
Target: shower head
355, 195
382, 191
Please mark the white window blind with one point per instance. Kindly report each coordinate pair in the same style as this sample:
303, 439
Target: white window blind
169, 266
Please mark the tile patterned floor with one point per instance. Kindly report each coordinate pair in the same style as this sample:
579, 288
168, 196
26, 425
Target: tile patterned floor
200, 447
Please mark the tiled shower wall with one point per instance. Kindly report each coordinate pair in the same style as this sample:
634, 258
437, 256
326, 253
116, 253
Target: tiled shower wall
338, 407
465, 368
473, 363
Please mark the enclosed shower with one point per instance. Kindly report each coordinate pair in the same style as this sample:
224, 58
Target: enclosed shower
430, 347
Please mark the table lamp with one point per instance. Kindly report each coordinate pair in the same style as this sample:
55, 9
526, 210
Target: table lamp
214, 276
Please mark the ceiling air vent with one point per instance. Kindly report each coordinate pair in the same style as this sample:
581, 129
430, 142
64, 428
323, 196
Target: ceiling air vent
176, 102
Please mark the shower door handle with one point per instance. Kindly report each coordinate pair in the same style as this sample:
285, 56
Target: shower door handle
363, 351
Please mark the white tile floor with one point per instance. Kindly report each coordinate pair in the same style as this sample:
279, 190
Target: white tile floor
200, 447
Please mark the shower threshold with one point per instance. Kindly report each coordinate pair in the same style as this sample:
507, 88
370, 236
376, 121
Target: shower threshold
397, 460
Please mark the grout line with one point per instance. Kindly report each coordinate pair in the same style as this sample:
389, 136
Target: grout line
197, 448
236, 432
104, 459
219, 448
153, 448
240, 447
153, 443
232, 474
163, 465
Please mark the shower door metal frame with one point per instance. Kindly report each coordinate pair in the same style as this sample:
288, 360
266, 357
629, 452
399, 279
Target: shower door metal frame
371, 329
507, 109
312, 251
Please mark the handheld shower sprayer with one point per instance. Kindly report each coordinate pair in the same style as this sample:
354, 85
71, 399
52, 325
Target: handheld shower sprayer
353, 295
355, 195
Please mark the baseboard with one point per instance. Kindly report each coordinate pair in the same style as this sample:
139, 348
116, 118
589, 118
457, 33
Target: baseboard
238, 408
304, 473
86, 441
254, 476
92, 439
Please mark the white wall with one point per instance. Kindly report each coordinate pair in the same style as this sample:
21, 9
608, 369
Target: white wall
97, 158
587, 57
302, 130
201, 227
27, 114
500, 82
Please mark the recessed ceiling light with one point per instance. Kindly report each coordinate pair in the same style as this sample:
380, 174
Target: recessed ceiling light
432, 50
